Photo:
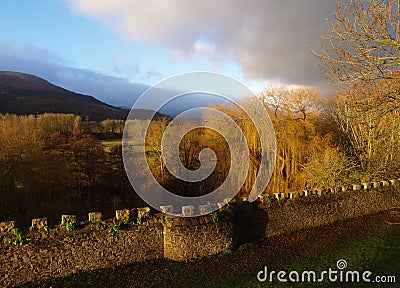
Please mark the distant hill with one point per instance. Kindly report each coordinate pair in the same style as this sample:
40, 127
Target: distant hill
28, 94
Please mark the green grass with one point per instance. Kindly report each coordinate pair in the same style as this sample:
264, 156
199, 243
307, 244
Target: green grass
378, 252
109, 143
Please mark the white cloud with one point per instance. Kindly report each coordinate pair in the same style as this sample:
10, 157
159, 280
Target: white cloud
267, 38
200, 47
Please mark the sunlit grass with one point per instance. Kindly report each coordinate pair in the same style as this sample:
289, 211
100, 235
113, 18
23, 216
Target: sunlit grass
110, 143
378, 253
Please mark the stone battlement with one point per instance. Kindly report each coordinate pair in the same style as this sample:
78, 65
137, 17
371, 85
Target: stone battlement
136, 235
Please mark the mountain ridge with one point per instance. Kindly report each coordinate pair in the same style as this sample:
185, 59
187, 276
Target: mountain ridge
23, 94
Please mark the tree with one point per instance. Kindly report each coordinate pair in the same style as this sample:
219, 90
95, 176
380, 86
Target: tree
374, 141
84, 158
294, 113
154, 135
301, 135
50, 123
113, 126
273, 97
301, 101
330, 168
362, 45
296, 103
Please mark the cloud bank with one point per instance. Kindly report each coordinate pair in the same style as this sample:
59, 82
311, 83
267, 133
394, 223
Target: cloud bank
268, 39
112, 90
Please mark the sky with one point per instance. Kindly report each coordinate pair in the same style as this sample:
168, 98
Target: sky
115, 49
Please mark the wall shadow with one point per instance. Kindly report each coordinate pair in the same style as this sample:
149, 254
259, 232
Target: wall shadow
249, 222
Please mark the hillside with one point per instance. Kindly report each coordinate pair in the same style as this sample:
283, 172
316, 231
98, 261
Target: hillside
28, 94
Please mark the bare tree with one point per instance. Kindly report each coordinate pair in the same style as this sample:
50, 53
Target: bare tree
273, 97
374, 140
363, 44
330, 168
302, 101
296, 103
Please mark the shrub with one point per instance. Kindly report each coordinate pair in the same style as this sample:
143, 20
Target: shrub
19, 237
228, 252
216, 215
166, 219
118, 226
70, 226
330, 168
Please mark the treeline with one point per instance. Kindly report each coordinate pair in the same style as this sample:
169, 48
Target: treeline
53, 163
346, 138
333, 141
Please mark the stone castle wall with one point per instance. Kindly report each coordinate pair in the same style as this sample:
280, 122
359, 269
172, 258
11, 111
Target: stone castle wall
317, 210
135, 235
60, 253
187, 238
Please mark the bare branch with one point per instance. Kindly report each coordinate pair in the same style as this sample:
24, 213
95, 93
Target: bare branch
362, 44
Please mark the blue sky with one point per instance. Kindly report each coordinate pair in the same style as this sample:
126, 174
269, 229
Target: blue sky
114, 49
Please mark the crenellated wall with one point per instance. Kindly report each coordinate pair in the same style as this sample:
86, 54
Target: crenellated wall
315, 210
187, 238
136, 236
58, 252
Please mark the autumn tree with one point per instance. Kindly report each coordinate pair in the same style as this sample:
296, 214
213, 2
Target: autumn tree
29, 177
374, 141
360, 51
273, 97
50, 123
302, 101
153, 149
295, 113
113, 126
330, 167
84, 157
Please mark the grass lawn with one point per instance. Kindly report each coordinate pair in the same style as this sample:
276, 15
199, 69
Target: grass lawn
109, 143
366, 243
378, 252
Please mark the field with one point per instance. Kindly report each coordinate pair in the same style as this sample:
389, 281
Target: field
109, 143
366, 243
